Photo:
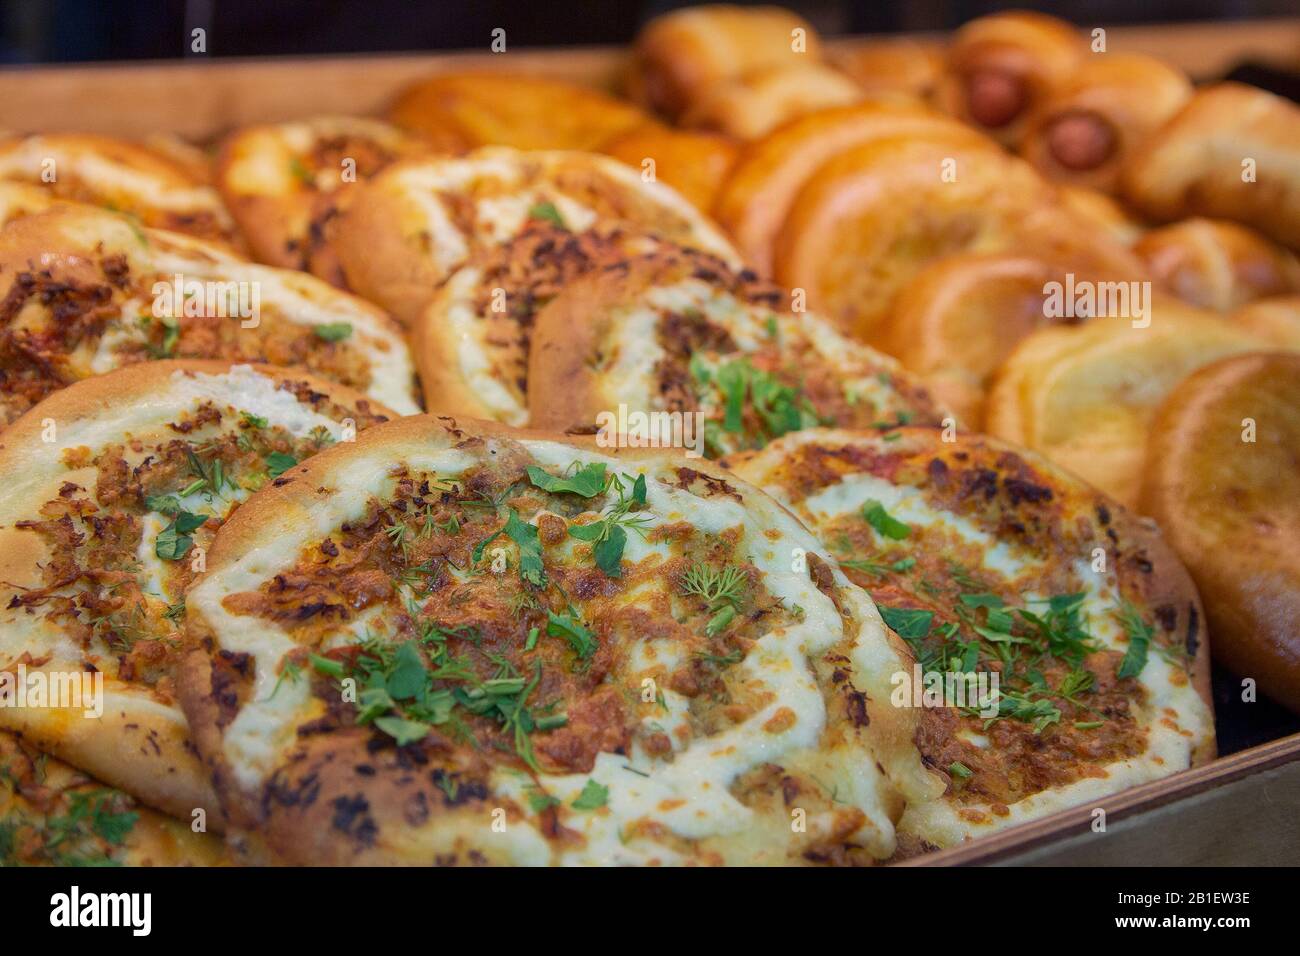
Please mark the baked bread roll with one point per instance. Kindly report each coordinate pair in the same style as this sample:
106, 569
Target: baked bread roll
53, 815
1101, 211
114, 489
955, 322
525, 694
286, 183
1216, 264
1000, 67
758, 102
680, 56
459, 111
904, 68
1230, 154
1085, 128
678, 332
1275, 320
121, 176
871, 218
86, 291
1223, 482
1085, 395
987, 558
758, 195
416, 222
693, 162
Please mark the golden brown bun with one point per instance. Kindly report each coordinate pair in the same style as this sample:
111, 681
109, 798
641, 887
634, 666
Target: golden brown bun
121, 176
695, 163
285, 184
1276, 320
459, 111
900, 67
753, 105
871, 218
1231, 508
758, 195
1084, 395
1086, 127
999, 68
681, 55
1101, 211
1216, 264
1229, 153
956, 321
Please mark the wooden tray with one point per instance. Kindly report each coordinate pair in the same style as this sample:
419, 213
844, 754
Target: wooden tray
200, 99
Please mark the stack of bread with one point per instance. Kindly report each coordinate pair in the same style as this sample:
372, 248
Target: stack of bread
981, 358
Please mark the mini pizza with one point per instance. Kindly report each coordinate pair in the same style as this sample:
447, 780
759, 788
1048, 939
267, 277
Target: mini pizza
459, 111
53, 815
85, 291
418, 220
473, 342
121, 176
460, 643
997, 567
115, 487
285, 183
677, 336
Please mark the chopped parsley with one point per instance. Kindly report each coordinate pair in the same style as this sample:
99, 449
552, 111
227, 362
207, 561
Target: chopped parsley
593, 796
880, 519
174, 541
333, 331
547, 212
1139, 641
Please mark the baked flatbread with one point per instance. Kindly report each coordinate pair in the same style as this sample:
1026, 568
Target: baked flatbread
454, 642
114, 489
988, 559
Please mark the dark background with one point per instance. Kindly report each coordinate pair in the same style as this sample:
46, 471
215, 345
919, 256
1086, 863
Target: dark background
49, 31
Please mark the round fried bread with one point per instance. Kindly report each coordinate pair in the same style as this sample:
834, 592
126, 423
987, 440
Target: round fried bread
677, 337
417, 221
115, 486
1223, 480
86, 291
1215, 264
1084, 395
758, 195
989, 560
474, 665
873, 216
